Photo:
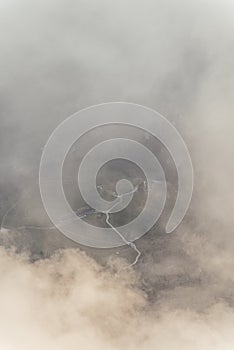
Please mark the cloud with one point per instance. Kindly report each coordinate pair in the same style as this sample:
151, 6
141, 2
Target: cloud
58, 57
70, 301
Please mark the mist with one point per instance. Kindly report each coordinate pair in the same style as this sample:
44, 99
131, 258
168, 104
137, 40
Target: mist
58, 57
